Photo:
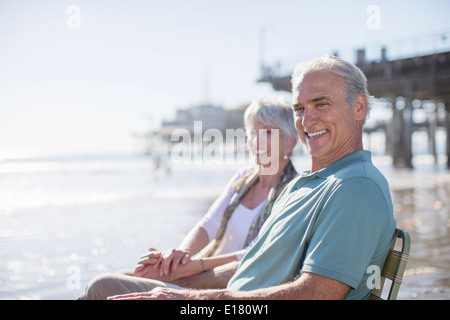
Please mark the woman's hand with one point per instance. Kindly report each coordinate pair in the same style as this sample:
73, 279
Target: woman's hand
172, 259
163, 263
151, 259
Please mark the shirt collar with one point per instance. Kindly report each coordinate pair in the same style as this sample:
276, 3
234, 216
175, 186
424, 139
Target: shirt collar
360, 155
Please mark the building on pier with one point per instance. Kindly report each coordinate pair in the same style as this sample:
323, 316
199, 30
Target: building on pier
195, 121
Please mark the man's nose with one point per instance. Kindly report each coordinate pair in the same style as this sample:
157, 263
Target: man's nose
309, 118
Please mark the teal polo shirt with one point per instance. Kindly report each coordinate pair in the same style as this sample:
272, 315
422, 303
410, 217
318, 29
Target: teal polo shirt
336, 222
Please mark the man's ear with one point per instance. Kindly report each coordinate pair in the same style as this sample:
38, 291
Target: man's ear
360, 107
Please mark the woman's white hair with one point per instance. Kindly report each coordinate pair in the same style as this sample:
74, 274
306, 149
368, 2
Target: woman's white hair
352, 77
273, 112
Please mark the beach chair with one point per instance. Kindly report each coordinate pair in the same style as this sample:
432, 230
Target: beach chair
394, 267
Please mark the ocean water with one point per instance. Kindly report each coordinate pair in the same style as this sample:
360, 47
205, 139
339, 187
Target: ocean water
65, 220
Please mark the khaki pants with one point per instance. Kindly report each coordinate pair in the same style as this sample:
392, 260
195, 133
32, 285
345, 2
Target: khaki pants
111, 284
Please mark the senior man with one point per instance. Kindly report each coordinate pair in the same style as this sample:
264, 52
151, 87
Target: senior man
332, 224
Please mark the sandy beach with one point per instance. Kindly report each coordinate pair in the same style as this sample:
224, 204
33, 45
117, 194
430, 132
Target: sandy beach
63, 222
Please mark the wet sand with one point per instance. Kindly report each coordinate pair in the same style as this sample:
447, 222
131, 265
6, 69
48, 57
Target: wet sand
421, 203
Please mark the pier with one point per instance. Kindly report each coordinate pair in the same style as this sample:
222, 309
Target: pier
411, 85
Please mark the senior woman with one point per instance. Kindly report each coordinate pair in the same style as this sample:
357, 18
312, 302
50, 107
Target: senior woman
233, 221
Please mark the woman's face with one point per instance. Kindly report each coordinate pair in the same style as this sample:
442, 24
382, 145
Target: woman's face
267, 144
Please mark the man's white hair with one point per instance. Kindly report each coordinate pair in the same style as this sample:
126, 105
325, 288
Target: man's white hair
352, 77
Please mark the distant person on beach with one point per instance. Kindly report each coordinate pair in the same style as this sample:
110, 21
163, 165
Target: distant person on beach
331, 226
228, 229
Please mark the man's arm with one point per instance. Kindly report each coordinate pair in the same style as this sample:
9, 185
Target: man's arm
308, 286
216, 278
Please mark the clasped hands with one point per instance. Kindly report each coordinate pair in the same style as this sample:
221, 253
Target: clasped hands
166, 266
171, 264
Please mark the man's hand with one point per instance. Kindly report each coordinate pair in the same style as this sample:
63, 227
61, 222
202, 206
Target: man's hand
155, 294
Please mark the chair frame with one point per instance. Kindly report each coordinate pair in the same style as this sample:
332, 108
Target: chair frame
394, 267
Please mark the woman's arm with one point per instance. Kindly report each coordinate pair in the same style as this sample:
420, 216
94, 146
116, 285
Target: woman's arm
206, 229
190, 268
195, 240
169, 260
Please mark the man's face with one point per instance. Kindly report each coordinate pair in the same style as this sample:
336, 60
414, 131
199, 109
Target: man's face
327, 127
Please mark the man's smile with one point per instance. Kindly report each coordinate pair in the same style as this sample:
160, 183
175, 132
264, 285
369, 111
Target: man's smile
312, 135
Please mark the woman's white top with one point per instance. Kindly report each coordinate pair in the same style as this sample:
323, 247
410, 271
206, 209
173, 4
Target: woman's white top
239, 224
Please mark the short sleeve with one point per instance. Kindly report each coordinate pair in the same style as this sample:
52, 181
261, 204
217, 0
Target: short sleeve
347, 230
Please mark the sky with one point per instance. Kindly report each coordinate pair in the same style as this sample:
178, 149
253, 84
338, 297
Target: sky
86, 76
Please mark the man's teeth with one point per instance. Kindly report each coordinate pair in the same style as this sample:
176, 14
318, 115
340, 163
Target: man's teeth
315, 134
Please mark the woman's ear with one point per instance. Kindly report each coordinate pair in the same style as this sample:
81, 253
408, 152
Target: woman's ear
292, 143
